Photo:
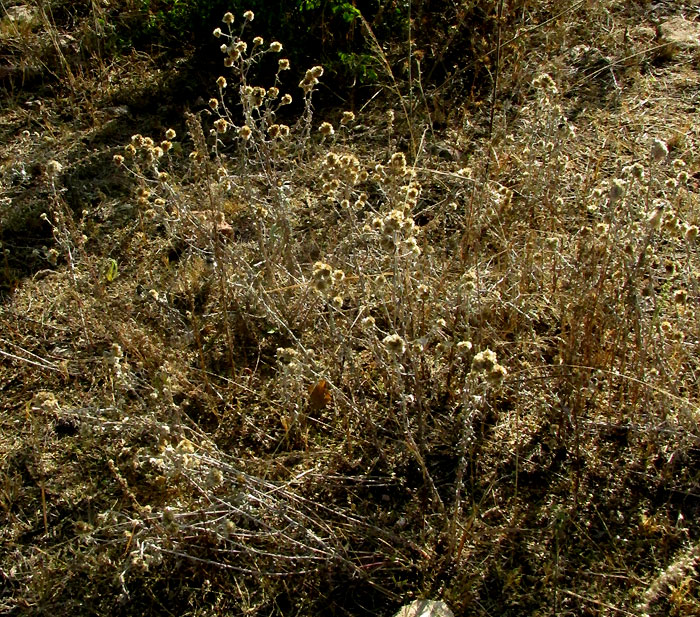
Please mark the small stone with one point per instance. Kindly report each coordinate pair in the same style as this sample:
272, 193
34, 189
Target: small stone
679, 34
425, 608
22, 13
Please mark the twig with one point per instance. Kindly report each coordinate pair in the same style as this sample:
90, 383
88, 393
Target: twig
598, 603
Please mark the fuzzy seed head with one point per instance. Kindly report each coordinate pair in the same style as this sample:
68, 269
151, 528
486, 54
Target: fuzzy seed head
617, 190
395, 344
221, 82
680, 296
638, 172
326, 129
497, 374
249, 16
228, 18
245, 132
484, 361
221, 125
275, 47
398, 160
53, 168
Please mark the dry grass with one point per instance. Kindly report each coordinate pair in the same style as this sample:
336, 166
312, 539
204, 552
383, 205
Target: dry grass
271, 370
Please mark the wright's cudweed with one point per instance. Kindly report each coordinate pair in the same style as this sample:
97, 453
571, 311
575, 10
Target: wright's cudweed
485, 363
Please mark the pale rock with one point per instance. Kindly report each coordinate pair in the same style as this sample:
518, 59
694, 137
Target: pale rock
679, 34
425, 608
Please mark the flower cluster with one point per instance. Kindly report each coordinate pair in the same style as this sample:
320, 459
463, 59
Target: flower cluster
340, 173
324, 277
485, 363
311, 79
397, 231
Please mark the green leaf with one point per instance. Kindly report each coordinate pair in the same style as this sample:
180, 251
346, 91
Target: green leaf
112, 270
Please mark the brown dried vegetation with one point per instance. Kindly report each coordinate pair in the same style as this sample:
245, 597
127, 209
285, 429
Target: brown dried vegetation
328, 363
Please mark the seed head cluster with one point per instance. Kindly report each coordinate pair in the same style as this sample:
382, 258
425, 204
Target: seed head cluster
485, 363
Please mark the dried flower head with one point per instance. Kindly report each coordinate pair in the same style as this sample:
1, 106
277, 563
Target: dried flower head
545, 83
275, 47
321, 275
638, 171
680, 296
283, 64
348, 117
617, 190
221, 125
170, 134
53, 168
398, 160
412, 194
326, 129
484, 361
257, 96
245, 132
257, 41
221, 82
393, 221
249, 16
395, 344
217, 32
228, 18
497, 374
